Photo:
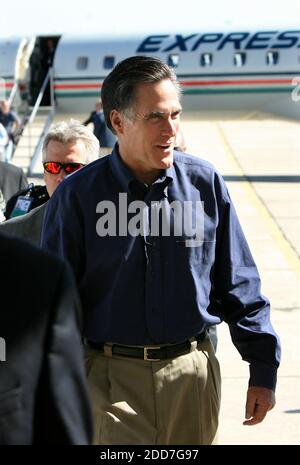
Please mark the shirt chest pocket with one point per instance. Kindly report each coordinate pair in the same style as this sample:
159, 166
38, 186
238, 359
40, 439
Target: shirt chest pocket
191, 251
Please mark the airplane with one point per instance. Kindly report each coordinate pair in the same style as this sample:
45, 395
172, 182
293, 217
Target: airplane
246, 71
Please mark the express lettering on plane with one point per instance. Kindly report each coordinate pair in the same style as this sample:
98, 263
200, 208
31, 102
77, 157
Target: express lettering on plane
237, 40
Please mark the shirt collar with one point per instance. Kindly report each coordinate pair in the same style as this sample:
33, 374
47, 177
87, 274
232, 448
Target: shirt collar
125, 175
119, 169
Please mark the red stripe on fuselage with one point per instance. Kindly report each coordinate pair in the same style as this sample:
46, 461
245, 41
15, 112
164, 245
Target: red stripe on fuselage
236, 82
77, 86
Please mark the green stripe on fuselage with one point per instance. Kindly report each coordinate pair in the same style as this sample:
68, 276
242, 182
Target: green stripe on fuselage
189, 91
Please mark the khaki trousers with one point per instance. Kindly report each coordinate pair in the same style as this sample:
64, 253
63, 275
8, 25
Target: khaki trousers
164, 402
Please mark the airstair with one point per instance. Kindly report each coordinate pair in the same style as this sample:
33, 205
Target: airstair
35, 125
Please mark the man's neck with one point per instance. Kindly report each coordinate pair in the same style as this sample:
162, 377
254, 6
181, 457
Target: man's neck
142, 175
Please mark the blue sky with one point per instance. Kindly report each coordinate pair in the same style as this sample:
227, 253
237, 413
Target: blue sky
139, 16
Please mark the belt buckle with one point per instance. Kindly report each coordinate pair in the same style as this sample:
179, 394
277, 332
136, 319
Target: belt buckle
146, 356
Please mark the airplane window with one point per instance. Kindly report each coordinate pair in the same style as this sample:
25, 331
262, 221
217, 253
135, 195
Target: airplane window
82, 63
206, 59
108, 62
272, 58
173, 60
239, 58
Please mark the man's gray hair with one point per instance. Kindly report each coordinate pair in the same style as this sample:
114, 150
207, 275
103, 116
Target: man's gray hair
73, 131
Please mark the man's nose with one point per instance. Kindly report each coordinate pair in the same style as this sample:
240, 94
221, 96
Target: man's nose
170, 126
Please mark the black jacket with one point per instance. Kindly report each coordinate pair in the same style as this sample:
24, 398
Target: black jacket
43, 392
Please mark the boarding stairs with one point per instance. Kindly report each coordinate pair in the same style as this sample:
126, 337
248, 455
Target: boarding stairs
37, 121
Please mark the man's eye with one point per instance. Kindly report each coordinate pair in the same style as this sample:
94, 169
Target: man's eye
154, 118
176, 115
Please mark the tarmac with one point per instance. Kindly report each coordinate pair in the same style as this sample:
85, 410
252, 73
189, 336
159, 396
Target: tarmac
260, 160
259, 157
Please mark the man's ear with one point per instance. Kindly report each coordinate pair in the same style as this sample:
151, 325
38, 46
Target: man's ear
117, 121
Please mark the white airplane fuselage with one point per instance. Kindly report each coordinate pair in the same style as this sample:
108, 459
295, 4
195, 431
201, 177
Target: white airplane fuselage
218, 71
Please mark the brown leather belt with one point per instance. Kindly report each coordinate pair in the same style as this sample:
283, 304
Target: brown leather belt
151, 353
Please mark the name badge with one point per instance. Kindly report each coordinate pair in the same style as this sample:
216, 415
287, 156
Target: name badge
22, 206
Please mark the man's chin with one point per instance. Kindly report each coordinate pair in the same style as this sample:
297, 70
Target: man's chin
167, 161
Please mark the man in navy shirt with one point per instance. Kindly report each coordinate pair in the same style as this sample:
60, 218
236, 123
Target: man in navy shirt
104, 135
159, 257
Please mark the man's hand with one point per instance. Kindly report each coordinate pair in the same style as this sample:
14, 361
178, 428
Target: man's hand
259, 401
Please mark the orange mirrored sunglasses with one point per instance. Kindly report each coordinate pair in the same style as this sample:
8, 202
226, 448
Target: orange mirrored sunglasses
55, 167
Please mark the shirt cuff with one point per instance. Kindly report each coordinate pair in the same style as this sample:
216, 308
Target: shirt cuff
263, 375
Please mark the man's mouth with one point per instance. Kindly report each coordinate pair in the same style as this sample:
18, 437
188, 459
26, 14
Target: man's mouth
165, 146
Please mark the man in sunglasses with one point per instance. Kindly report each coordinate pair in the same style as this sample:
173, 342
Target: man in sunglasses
68, 147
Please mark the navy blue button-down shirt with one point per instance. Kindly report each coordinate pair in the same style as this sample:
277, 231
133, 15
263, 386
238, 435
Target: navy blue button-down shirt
142, 284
